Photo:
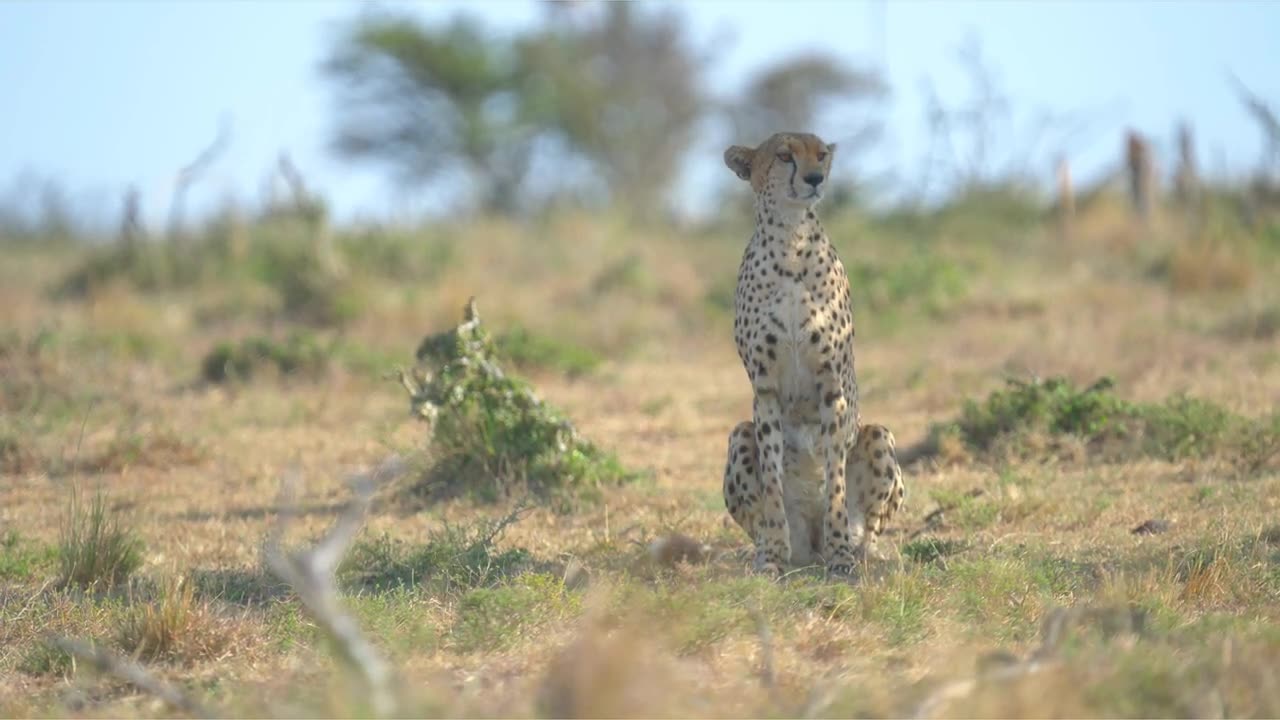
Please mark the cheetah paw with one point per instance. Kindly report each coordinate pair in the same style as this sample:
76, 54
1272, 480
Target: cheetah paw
840, 569
769, 567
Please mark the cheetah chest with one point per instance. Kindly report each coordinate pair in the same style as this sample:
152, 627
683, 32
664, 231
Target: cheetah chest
797, 316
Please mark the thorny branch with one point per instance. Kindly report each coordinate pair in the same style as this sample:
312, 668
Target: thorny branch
312, 576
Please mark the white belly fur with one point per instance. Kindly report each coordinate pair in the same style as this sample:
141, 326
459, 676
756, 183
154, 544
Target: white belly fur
795, 369
803, 488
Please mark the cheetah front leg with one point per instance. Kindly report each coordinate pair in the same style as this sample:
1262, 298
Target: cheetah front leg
837, 528
743, 489
877, 491
772, 534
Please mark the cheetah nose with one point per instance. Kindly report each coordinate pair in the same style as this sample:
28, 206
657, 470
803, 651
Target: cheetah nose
814, 179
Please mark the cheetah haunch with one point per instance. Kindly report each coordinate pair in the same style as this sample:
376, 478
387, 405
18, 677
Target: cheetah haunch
785, 479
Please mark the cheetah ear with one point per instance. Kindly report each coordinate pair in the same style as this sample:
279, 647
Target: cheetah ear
739, 159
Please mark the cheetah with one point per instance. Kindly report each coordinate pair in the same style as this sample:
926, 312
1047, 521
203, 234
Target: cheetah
786, 473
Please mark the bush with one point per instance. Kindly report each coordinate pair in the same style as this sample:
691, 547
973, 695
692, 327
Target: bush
45, 658
922, 280
930, 549
494, 618
454, 557
299, 354
146, 267
487, 426
1015, 418
527, 350
95, 547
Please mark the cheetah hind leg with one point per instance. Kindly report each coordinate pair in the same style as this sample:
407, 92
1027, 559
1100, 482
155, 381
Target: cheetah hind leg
876, 490
744, 491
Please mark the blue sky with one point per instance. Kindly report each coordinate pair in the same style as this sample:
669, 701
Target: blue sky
102, 94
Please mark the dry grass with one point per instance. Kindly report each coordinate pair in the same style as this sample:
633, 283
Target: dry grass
567, 613
176, 626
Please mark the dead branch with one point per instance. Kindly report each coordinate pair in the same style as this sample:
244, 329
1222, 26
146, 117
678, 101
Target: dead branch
193, 171
107, 662
131, 220
1140, 164
312, 575
1066, 205
517, 513
293, 178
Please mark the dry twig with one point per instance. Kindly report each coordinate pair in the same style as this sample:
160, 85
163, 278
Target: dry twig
312, 576
131, 672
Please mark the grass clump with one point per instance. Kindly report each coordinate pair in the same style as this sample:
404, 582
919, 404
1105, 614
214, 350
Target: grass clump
155, 449
924, 279
95, 546
528, 350
17, 453
145, 267
491, 619
24, 560
43, 658
300, 354
1054, 416
174, 626
490, 434
931, 549
454, 557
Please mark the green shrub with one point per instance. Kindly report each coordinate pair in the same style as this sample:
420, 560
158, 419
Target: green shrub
495, 618
43, 658
922, 280
528, 350
1177, 428
453, 557
147, 267
23, 560
487, 426
930, 549
299, 354
415, 258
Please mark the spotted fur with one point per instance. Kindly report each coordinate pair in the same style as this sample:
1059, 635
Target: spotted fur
804, 478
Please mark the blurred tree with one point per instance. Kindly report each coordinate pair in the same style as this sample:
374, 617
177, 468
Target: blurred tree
432, 101
811, 93
792, 93
612, 86
622, 88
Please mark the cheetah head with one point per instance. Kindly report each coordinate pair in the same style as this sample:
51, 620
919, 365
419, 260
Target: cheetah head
791, 167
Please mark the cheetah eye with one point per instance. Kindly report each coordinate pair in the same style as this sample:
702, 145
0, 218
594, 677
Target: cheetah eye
785, 157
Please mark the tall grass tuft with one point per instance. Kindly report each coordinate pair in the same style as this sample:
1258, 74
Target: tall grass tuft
175, 626
95, 547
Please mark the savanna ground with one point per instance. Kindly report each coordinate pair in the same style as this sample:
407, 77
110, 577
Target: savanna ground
1027, 502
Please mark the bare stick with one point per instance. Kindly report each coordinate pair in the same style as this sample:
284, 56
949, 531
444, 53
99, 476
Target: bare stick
131, 220
312, 576
131, 672
192, 172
